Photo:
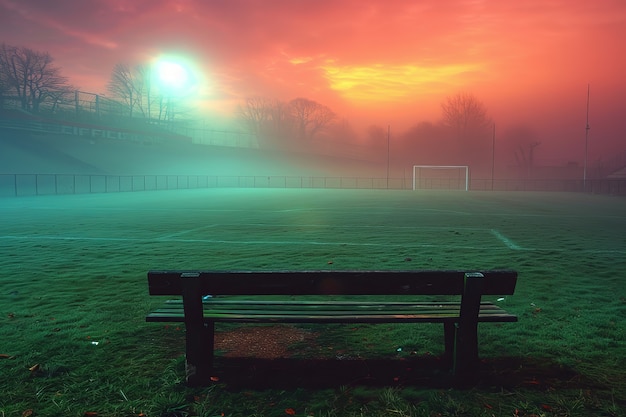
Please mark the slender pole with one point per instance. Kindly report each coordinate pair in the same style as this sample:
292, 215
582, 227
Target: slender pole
586, 143
493, 154
388, 147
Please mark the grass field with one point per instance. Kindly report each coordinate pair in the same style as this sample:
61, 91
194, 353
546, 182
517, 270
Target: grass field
73, 297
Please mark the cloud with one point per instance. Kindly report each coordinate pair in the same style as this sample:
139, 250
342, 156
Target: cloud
384, 83
44, 15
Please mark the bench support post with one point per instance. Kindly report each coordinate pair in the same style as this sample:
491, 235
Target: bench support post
466, 344
199, 335
449, 337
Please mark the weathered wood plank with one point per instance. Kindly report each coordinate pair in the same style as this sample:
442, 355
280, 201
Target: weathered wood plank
422, 282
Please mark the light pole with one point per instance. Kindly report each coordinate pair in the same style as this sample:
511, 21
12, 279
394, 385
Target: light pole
493, 154
586, 143
388, 147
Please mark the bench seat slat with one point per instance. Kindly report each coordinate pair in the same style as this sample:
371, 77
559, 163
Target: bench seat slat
328, 312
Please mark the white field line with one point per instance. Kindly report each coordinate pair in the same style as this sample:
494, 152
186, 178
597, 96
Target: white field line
507, 242
184, 232
306, 242
237, 242
373, 210
354, 226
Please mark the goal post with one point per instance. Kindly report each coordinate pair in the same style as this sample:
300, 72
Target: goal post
441, 177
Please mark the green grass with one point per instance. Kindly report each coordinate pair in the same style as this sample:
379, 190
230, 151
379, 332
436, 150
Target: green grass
73, 297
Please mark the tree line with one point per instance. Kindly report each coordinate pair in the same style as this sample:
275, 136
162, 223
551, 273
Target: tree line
463, 134
134, 86
275, 123
32, 78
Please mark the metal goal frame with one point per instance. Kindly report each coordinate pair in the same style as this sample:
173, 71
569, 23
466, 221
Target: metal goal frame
460, 167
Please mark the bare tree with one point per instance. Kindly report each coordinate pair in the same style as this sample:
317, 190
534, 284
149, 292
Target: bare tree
143, 89
60, 96
273, 121
123, 86
466, 115
322, 117
133, 87
268, 119
310, 116
4, 76
523, 142
4, 85
31, 75
279, 128
255, 113
302, 110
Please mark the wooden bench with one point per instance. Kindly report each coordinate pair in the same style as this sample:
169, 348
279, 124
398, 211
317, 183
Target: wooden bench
242, 297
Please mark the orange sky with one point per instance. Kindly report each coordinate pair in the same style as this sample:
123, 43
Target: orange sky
371, 61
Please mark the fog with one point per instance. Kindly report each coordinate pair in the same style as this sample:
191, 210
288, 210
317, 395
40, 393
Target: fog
23, 153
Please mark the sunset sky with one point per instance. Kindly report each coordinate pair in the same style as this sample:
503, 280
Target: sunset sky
384, 62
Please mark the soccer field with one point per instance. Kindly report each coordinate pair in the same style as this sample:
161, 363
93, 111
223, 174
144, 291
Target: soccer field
287, 229
73, 267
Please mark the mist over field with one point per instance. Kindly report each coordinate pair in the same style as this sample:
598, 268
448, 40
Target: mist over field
24, 153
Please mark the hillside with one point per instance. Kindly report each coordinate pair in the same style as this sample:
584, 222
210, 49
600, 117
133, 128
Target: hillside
27, 153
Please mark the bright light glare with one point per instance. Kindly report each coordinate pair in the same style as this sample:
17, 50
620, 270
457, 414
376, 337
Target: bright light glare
172, 75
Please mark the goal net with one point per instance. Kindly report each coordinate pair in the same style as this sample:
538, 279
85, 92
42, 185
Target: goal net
441, 177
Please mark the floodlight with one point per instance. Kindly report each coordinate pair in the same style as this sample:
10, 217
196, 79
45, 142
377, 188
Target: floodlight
174, 75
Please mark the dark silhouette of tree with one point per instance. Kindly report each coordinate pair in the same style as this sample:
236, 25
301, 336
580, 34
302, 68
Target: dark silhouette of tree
57, 98
523, 141
268, 119
310, 117
31, 76
255, 113
274, 122
4, 85
133, 86
302, 110
468, 131
126, 86
466, 116
281, 122
321, 119
4, 79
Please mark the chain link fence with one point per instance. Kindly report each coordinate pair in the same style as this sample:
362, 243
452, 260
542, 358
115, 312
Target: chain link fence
17, 185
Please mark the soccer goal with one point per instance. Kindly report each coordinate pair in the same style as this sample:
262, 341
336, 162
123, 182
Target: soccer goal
441, 177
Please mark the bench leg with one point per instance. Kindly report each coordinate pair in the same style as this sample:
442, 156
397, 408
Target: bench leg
449, 336
466, 353
466, 346
199, 353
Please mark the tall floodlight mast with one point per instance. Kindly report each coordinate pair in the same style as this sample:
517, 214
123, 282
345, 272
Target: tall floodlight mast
586, 143
388, 131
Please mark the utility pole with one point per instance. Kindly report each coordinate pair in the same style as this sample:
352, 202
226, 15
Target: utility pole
388, 147
586, 143
493, 154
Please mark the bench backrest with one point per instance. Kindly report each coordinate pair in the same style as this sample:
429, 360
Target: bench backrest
423, 282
